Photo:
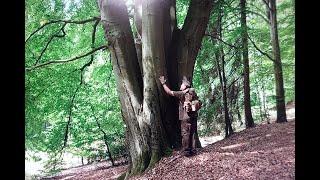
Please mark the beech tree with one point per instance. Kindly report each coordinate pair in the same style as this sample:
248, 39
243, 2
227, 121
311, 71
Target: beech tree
278, 74
150, 116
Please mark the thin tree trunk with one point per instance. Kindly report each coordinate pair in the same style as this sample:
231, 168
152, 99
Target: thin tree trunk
224, 96
260, 106
221, 71
246, 80
238, 113
280, 96
233, 100
108, 149
265, 108
104, 137
237, 91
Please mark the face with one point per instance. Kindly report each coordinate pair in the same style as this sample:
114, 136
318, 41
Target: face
183, 87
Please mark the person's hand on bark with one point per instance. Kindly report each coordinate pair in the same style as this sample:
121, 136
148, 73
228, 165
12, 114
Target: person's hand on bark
162, 80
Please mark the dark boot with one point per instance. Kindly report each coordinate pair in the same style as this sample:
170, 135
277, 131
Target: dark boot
188, 152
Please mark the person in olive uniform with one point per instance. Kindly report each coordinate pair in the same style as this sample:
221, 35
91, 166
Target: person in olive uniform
189, 104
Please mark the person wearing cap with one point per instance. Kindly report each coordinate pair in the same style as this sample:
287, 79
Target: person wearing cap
189, 104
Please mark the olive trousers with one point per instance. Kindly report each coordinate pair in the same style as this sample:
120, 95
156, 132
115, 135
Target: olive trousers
188, 128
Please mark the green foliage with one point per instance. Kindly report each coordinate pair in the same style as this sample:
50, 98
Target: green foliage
49, 90
181, 11
206, 80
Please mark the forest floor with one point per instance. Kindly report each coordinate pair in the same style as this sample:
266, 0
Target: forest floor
266, 151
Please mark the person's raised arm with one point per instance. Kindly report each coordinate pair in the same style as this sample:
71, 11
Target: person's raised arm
165, 87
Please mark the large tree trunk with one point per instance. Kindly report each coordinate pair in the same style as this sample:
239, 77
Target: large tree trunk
191, 36
150, 116
169, 104
127, 73
246, 80
153, 62
280, 97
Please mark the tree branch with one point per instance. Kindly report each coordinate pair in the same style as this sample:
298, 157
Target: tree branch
260, 15
69, 118
66, 60
92, 45
64, 21
51, 38
233, 82
104, 136
217, 38
70, 111
266, 2
263, 53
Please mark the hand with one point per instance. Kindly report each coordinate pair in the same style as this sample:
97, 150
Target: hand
187, 106
162, 79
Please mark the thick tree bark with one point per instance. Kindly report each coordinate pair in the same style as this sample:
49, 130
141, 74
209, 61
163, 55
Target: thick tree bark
191, 35
246, 80
280, 96
190, 38
138, 26
115, 21
151, 117
170, 32
153, 62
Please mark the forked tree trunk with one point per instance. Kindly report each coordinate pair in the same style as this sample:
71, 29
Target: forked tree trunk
150, 116
246, 80
280, 97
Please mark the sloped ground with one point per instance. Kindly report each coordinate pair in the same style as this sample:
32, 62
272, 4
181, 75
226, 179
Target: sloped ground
266, 151
95, 171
